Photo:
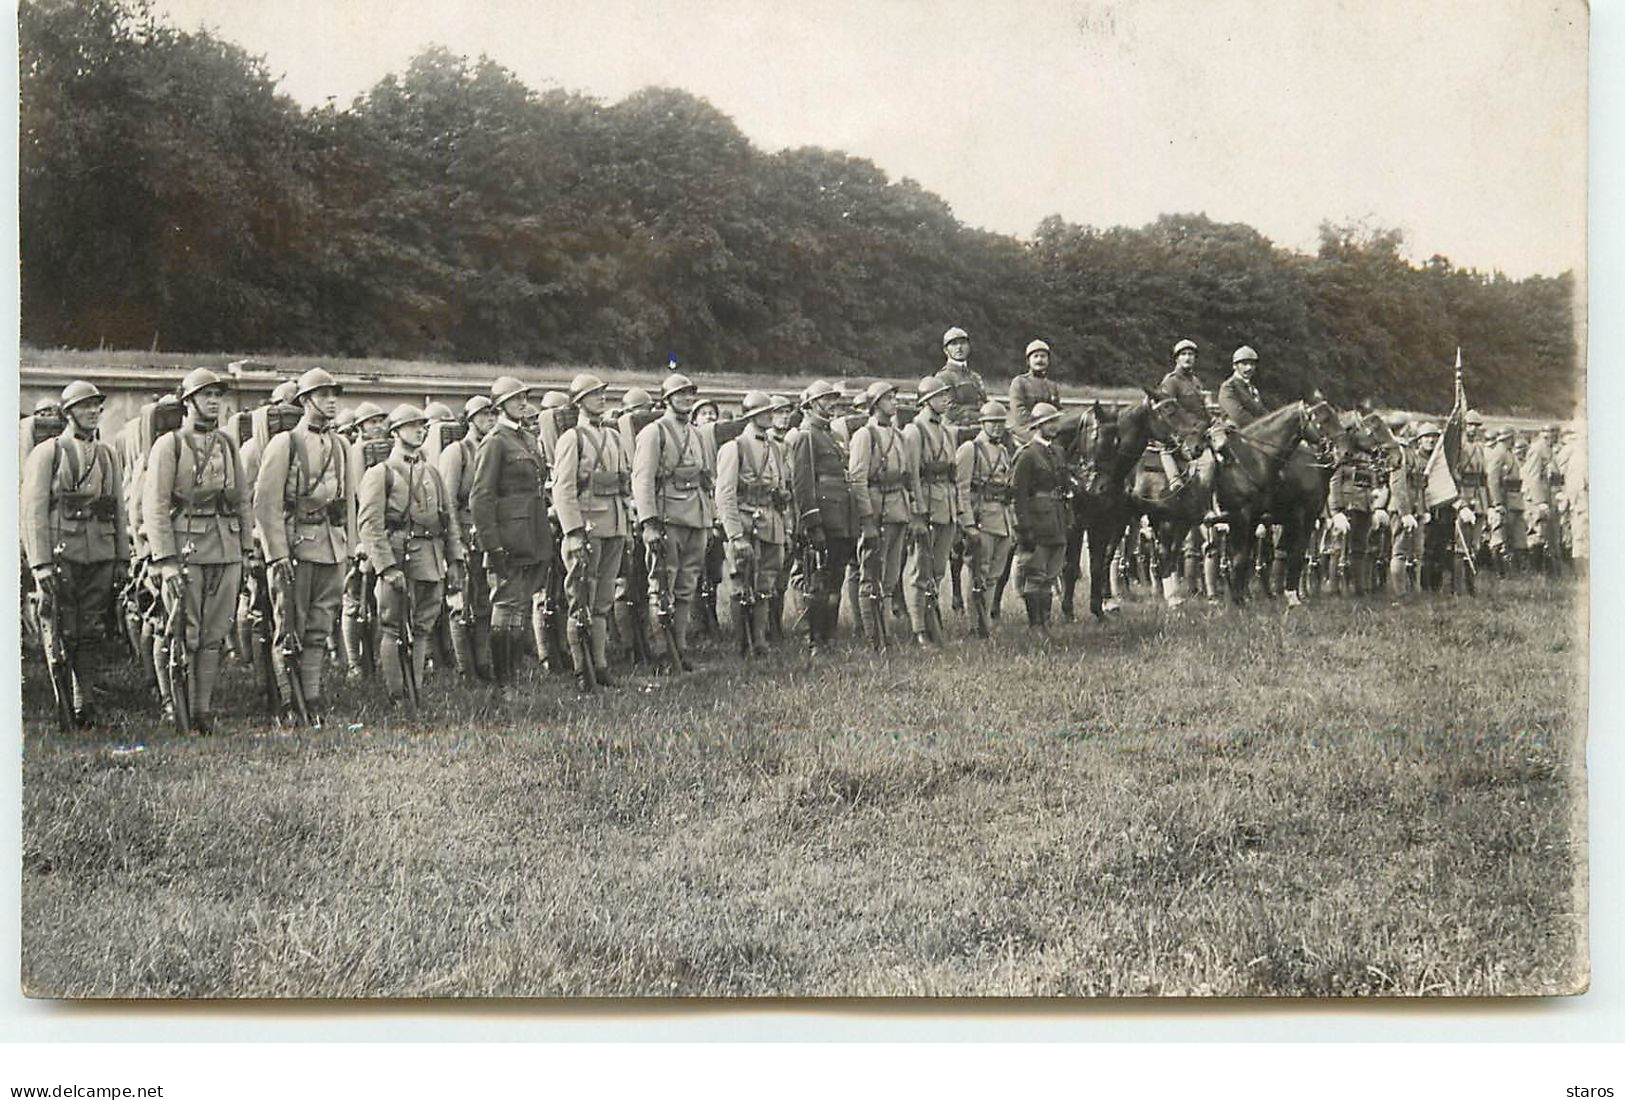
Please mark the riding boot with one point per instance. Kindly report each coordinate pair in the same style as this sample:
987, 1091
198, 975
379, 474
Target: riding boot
679, 624
1458, 576
1031, 601
205, 673
1068, 584
1190, 584
774, 622
1397, 576
310, 679
1277, 581
353, 636
598, 639
876, 621
1210, 577
1045, 603
762, 612
501, 669
978, 603
740, 619
1357, 574
956, 564
462, 648
389, 663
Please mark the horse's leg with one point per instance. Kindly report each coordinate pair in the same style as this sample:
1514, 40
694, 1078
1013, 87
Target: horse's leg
1241, 556
1103, 539
1289, 557
1071, 565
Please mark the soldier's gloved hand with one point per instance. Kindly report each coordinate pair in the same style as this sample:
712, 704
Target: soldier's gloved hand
456, 577
869, 529
1408, 522
575, 540
169, 569
1495, 517
652, 530
1379, 518
394, 576
916, 526
815, 535
496, 561
1466, 515
1340, 522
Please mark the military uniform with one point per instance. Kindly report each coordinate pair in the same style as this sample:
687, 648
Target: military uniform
197, 514
1184, 388
359, 572
509, 504
753, 498
592, 493
877, 474
1351, 495
73, 525
1540, 504
1039, 481
671, 489
1503, 486
827, 517
929, 450
1407, 486
1026, 391
1239, 401
407, 521
304, 511
471, 621
985, 494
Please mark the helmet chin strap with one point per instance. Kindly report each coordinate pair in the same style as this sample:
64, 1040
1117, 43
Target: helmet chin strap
206, 423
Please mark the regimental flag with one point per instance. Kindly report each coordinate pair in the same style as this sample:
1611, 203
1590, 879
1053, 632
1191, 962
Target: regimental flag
1446, 457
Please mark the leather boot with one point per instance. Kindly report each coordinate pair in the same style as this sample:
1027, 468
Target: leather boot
353, 635
205, 673
578, 656
741, 622
389, 663
310, 679
462, 648
1210, 575
876, 622
762, 615
598, 639
1397, 576
680, 618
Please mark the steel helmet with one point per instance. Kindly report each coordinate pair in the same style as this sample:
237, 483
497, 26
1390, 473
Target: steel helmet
993, 410
1244, 354
930, 386
367, 411
1185, 345
1035, 345
286, 393
75, 392
505, 389
47, 405
756, 401
955, 333
1043, 413
315, 379
438, 410
675, 383
636, 398
819, 388
876, 391
707, 402
781, 402
403, 415
345, 420
475, 405
1426, 429
583, 384
200, 379
1475, 417
555, 399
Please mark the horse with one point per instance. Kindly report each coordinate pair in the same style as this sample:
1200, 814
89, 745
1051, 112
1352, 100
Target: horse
1102, 454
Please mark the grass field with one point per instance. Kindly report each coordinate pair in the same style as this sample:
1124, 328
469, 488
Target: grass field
1352, 798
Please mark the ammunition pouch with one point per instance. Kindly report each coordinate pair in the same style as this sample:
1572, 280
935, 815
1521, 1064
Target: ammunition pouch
83, 506
934, 472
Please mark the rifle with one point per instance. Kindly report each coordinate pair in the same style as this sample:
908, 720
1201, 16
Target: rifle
581, 615
1461, 544
178, 659
928, 586
665, 613
404, 651
129, 610
289, 640
259, 631
56, 648
744, 578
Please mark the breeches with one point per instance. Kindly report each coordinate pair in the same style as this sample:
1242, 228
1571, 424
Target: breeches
1039, 567
926, 568
512, 593
987, 554
414, 601
1407, 545
357, 576
880, 560
678, 576
87, 597
210, 602
1511, 534
590, 592
768, 562
317, 591
1543, 530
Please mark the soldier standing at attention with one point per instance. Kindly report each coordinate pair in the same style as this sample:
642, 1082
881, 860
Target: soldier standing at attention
1470, 482
548, 604
985, 491
1201, 548
592, 493
966, 391
74, 533
304, 508
825, 514
198, 517
509, 503
780, 432
407, 520
671, 490
1503, 483
471, 627
753, 494
1039, 481
877, 474
1350, 501
1407, 484
371, 426
929, 450
1028, 390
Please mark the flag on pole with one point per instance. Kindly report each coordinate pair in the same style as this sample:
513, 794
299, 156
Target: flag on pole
1446, 457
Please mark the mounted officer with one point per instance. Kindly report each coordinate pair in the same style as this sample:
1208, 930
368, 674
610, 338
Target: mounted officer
671, 490
985, 492
509, 503
592, 493
1201, 549
966, 391
1238, 397
408, 522
1039, 481
825, 514
304, 511
1028, 390
75, 539
471, 622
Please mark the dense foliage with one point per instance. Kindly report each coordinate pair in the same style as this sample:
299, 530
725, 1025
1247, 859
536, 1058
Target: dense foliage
170, 196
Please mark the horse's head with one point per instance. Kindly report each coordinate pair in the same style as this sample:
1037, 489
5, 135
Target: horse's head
1167, 421
1320, 423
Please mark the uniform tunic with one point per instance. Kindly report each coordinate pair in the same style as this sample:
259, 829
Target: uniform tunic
1184, 388
1027, 390
671, 483
753, 497
931, 468
966, 394
592, 493
1239, 401
508, 501
72, 518
1039, 481
985, 491
1503, 484
406, 517
877, 473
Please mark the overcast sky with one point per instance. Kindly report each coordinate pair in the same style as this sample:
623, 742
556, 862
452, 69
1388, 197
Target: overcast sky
1461, 123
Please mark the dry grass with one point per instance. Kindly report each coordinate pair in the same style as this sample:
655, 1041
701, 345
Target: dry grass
1351, 799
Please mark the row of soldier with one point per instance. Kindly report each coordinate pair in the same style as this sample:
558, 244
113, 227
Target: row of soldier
480, 535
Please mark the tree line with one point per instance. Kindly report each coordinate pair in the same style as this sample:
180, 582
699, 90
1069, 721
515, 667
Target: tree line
170, 196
